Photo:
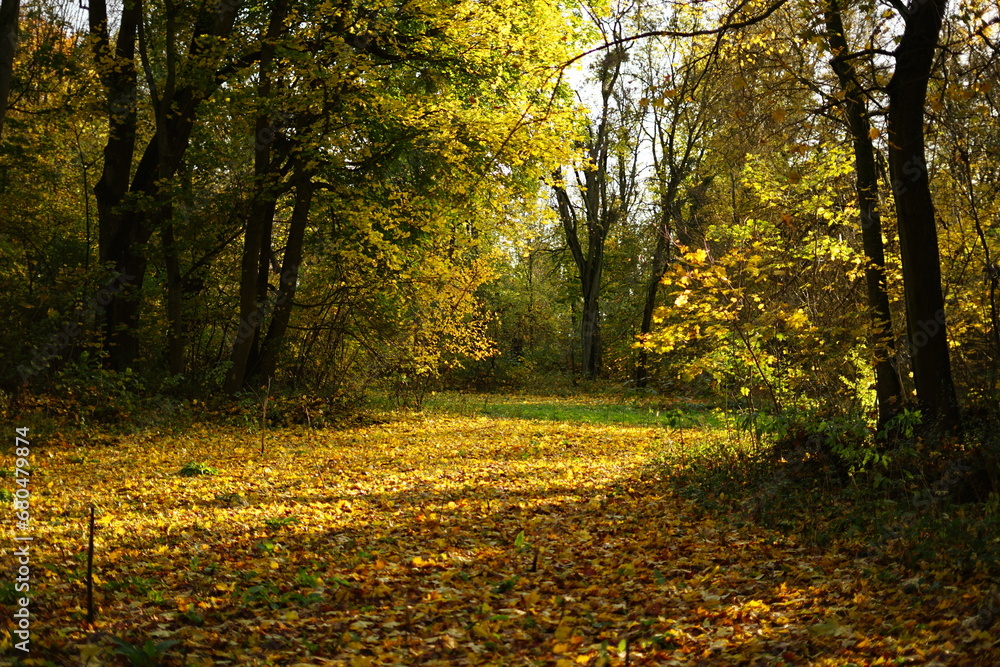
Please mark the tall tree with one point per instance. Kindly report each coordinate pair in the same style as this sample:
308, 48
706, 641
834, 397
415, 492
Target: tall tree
128, 193
683, 108
888, 389
605, 185
918, 239
268, 171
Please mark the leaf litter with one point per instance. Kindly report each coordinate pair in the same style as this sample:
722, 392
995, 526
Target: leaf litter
452, 541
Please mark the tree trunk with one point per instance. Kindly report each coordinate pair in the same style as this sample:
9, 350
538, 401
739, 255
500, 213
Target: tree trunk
590, 329
125, 227
289, 281
9, 10
252, 310
175, 303
925, 313
590, 267
888, 389
257, 238
117, 233
660, 257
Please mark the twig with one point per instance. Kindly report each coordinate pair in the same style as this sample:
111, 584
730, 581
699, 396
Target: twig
263, 419
90, 570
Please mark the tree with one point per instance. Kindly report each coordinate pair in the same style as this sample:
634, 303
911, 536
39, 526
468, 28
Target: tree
8, 46
129, 193
395, 122
606, 186
269, 170
684, 103
888, 389
926, 326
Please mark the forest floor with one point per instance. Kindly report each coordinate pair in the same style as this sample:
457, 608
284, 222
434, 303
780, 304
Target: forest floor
449, 539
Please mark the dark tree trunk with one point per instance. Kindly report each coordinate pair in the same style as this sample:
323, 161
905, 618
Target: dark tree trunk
9, 10
888, 389
252, 309
590, 266
254, 266
590, 330
661, 256
289, 281
125, 226
175, 303
117, 235
925, 312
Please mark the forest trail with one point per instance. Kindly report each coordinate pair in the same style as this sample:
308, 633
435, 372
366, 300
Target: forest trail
453, 540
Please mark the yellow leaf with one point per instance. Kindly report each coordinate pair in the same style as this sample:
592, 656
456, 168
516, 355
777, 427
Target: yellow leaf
482, 631
779, 115
874, 133
563, 632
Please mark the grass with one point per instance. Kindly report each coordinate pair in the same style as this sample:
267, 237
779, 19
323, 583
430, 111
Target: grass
574, 409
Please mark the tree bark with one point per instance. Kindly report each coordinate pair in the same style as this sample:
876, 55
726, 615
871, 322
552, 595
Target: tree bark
117, 235
590, 266
176, 349
252, 309
888, 388
9, 10
289, 281
257, 238
925, 308
126, 226
661, 255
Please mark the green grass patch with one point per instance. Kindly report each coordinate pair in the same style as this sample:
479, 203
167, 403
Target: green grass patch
574, 409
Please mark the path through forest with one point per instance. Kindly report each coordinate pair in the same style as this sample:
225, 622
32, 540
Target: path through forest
452, 540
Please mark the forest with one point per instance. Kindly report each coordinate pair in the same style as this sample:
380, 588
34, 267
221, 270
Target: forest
520, 332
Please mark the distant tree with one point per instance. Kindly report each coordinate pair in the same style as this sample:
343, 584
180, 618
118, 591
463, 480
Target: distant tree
603, 192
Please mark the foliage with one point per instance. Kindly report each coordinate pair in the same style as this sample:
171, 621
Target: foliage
148, 654
194, 469
766, 314
905, 504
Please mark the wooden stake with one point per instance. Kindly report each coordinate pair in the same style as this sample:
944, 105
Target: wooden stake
90, 570
263, 419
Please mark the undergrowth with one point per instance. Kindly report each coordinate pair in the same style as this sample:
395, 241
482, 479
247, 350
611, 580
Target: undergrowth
917, 504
